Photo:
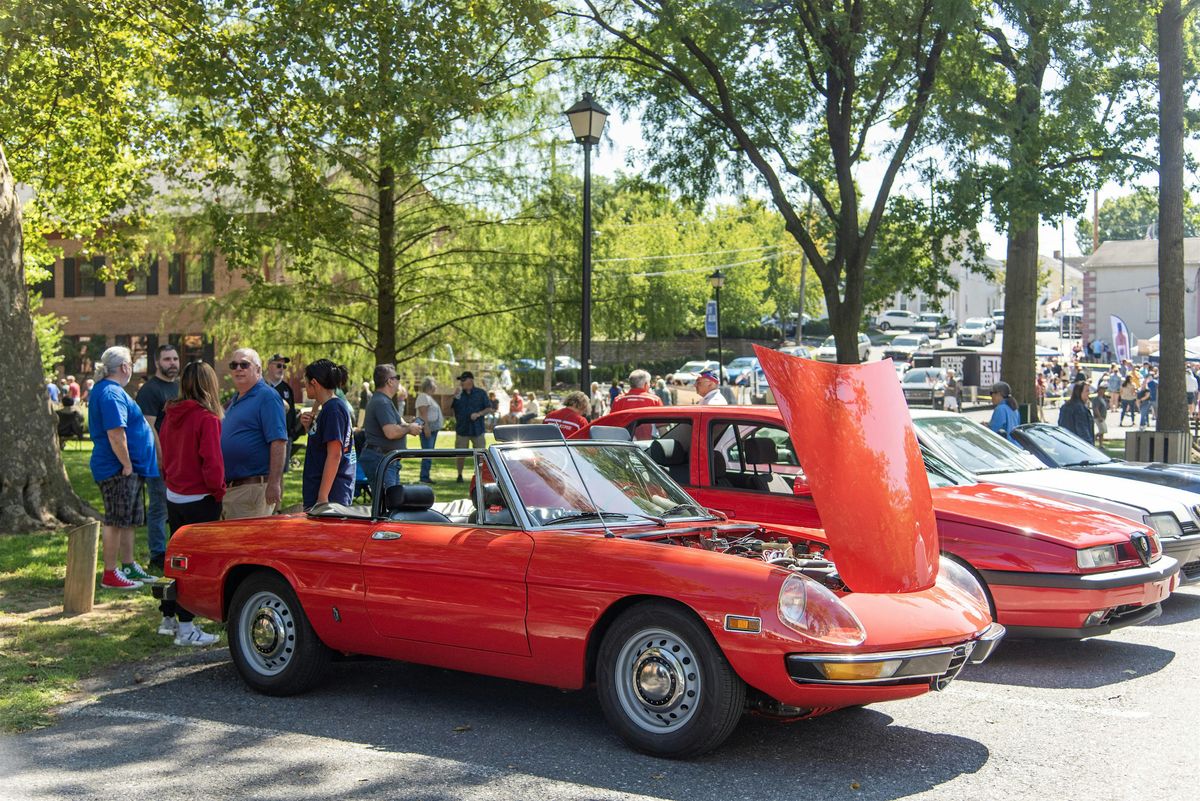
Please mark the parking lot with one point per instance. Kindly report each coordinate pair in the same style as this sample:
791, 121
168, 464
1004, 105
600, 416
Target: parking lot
1108, 718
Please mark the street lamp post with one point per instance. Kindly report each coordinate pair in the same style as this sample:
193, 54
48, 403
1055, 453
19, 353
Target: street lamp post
717, 280
587, 124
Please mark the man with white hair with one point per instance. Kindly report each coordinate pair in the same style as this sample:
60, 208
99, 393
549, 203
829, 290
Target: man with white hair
708, 387
253, 441
639, 395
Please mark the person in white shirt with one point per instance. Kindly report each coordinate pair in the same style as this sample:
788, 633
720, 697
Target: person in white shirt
1191, 386
708, 387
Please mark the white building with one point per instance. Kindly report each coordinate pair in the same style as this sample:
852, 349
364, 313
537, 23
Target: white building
977, 295
1121, 278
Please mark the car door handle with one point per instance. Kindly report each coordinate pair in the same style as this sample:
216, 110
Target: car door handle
386, 535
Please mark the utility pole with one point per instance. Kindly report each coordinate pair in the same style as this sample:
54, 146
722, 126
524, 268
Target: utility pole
803, 275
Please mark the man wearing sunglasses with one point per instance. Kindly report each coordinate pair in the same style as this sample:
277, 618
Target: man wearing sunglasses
253, 441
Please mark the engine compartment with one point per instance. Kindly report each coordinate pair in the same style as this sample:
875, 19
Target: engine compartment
807, 557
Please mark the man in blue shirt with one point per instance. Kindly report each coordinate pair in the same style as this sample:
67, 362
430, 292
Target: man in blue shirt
1150, 401
253, 441
470, 405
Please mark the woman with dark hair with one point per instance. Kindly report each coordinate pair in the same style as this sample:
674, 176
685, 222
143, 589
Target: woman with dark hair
194, 473
1004, 415
1076, 416
328, 469
1128, 396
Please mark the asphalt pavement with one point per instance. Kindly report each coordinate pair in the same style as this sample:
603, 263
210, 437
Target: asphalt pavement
1107, 718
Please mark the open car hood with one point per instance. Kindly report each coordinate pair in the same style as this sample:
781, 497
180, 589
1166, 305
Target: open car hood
854, 438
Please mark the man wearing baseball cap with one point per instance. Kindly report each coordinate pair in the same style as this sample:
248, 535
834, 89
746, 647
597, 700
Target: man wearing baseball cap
273, 375
1004, 413
470, 405
708, 387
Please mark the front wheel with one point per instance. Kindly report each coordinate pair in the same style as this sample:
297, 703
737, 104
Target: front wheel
884, 326
664, 684
273, 645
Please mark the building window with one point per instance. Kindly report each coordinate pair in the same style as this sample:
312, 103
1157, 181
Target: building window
192, 347
191, 274
1152, 308
46, 288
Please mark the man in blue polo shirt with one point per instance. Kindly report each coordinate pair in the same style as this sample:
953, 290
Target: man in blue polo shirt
470, 405
253, 441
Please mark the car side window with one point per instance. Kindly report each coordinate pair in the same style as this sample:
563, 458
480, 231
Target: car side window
754, 457
668, 443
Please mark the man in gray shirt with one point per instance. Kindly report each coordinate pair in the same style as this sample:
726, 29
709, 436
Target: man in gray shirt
385, 428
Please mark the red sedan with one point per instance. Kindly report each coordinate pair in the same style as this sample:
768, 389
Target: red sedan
578, 562
1051, 569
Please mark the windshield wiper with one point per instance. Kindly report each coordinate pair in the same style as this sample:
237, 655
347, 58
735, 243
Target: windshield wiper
683, 507
576, 516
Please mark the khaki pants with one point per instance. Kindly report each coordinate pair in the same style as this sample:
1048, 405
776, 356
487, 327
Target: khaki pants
246, 500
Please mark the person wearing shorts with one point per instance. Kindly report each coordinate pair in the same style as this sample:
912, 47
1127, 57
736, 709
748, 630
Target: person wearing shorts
123, 456
470, 405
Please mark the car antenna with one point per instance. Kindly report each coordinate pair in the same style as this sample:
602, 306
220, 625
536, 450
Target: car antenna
583, 482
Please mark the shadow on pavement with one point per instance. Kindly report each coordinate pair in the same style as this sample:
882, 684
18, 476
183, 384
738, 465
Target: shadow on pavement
1179, 608
495, 729
1068, 664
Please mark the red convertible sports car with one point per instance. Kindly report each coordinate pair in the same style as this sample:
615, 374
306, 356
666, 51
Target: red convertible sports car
1051, 569
582, 561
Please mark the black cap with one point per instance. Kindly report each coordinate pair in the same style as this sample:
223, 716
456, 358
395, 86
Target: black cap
278, 357
465, 375
1002, 388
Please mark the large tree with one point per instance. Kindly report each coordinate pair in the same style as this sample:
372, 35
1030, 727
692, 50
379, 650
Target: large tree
1132, 216
795, 97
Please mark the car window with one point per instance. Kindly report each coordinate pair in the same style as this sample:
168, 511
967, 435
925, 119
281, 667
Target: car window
971, 447
1063, 448
904, 341
753, 456
923, 374
673, 458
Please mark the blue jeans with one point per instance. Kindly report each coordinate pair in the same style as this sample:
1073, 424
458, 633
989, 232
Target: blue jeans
427, 443
1147, 407
370, 461
156, 517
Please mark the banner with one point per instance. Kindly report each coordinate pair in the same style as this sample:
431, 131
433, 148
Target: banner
710, 319
1120, 337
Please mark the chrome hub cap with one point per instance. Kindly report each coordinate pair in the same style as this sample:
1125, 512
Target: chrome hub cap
267, 633
658, 680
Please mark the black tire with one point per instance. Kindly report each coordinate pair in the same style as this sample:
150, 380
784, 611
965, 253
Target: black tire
664, 684
273, 645
885, 325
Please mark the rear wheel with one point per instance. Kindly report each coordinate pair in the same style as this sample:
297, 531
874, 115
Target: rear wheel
885, 325
273, 645
664, 684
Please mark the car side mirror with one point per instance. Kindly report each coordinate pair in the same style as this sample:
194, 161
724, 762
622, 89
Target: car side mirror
800, 487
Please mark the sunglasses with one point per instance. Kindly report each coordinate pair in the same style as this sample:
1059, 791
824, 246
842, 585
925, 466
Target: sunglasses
239, 365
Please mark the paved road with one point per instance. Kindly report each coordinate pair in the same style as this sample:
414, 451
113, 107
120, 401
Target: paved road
1109, 718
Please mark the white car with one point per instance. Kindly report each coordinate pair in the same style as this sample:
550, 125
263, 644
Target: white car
797, 350
981, 453
902, 348
896, 318
977, 331
828, 350
686, 375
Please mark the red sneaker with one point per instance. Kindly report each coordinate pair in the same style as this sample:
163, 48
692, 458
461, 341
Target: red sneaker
115, 580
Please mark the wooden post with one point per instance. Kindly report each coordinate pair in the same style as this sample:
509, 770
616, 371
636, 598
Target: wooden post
79, 590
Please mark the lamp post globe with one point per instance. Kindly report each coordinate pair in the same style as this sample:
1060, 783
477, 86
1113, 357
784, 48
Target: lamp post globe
587, 126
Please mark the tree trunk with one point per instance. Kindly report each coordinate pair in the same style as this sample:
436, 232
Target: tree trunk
34, 490
385, 343
551, 348
1018, 357
1172, 401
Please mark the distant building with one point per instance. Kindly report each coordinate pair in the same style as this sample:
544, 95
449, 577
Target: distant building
978, 294
1121, 278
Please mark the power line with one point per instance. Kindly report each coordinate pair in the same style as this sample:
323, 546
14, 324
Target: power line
686, 255
706, 268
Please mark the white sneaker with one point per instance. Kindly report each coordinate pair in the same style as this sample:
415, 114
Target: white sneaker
169, 626
195, 636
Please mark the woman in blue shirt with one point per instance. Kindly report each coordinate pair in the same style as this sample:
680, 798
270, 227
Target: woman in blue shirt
328, 469
1004, 416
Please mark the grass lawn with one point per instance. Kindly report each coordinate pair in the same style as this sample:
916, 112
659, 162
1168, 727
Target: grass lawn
44, 653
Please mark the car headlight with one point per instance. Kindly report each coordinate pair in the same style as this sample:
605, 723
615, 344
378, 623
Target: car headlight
963, 580
814, 611
1165, 523
1100, 556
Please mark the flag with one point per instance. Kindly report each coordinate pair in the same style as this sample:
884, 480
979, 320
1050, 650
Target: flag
1121, 337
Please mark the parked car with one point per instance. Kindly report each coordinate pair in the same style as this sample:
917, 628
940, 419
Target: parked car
934, 325
977, 451
976, 331
1046, 324
740, 365
896, 318
1045, 564
803, 351
902, 348
574, 560
686, 375
828, 350
924, 385
998, 319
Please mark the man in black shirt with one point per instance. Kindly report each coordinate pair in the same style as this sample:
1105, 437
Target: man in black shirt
273, 375
152, 399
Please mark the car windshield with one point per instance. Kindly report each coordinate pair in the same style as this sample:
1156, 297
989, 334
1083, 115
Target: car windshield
973, 448
924, 375
693, 367
1063, 448
974, 324
931, 318
907, 342
742, 363
830, 342
941, 473
561, 484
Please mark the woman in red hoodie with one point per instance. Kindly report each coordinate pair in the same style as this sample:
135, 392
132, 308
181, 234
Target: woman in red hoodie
195, 475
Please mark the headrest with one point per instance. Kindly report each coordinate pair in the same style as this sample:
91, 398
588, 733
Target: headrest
760, 450
719, 469
408, 498
616, 433
668, 452
492, 496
